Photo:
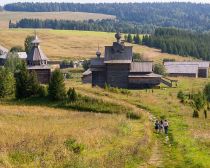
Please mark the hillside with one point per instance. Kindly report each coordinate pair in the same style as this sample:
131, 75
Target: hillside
35, 131
77, 16
191, 16
66, 44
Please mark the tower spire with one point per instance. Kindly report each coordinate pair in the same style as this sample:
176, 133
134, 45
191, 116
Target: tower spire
98, 53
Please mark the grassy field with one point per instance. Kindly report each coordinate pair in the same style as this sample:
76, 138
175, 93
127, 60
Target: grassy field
34, 132
67, 44
16, 16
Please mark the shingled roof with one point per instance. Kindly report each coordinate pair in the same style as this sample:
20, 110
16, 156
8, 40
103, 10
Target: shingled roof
36, 53
201, 64
141, 67
182, 68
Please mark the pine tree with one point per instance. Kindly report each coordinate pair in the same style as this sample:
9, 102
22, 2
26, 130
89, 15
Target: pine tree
56, 88
7, 83
27, 84
28, 45
130, 38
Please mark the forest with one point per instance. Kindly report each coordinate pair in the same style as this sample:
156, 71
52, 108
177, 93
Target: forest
181, 15
181, 42
105, 25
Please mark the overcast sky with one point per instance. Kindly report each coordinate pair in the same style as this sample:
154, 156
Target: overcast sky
88, 1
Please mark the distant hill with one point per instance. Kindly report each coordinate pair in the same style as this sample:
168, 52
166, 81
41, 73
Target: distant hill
181, 15
6, 16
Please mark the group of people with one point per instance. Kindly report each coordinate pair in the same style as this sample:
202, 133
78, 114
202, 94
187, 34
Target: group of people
161, 126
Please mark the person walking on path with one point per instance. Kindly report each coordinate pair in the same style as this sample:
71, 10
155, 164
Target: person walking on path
165, 125
157, 126
161, 126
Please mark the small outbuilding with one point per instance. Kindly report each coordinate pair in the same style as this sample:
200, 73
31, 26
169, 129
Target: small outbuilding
187, 68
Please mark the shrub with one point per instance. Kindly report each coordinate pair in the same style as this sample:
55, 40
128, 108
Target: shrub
181, 96
159, 69
195, 114
72, 95
86, 64
137, 57
17, 49
206, 91
56, 88
132, 115
73, 146
198, 100
7, 83
42, 92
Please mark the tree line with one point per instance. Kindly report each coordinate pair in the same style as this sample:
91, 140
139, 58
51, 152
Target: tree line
105, 25
181, 15
180, 42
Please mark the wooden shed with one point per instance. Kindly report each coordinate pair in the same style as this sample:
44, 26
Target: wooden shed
188, 68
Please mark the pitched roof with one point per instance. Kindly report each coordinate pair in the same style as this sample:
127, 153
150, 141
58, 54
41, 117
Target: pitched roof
88, 72
182, 68
39, 67
150, 75
37, 54
141, 67
201, 64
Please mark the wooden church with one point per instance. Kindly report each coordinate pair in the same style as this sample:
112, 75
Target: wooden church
37, 61
117, 68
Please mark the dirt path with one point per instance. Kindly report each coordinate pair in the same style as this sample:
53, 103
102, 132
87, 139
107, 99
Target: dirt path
155, 161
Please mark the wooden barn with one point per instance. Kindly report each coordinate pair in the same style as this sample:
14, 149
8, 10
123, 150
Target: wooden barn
37, 61
187, 68
117, 69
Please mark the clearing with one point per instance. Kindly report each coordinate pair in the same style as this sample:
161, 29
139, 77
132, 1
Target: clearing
76, 45
77, 16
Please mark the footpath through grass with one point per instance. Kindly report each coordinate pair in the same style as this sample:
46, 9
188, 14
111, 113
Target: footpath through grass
91, 132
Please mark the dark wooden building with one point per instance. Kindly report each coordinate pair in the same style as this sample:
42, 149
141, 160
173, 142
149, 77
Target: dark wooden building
37, 61
117, 69
188, 68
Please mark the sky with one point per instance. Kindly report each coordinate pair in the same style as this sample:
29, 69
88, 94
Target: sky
2, 2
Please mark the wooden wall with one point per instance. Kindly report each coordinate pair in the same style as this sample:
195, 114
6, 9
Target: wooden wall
141, 83
98, 78
117, 75
43, 75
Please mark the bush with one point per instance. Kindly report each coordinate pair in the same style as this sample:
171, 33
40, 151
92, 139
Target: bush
7, 83
132, 115
17, 49
137, 57
181, 96
56, 88
86, 64
42, 92
159, 69
72, 95
206, 91
195, 114
73, 146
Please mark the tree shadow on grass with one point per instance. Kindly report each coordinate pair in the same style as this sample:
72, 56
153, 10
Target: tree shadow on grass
83, 104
